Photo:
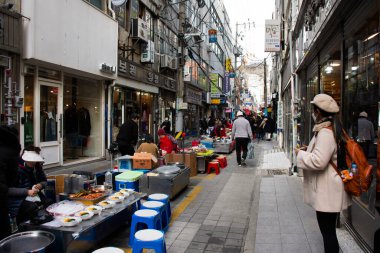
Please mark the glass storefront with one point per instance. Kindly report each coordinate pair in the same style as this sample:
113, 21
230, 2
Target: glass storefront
82, 118
125, 103
362, 66
58, 106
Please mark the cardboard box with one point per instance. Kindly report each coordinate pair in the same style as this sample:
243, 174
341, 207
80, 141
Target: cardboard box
144, 161
189, 159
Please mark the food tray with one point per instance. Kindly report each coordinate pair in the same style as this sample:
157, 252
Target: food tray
90, 202
65, 208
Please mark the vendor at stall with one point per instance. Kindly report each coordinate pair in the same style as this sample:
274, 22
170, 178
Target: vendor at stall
219, 130
148, 146
25, 197
167, 142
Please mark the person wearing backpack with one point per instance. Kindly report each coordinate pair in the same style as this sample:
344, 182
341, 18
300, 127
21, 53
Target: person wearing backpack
323, 187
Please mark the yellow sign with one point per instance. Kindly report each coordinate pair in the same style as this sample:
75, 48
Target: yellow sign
215, 101
228, 65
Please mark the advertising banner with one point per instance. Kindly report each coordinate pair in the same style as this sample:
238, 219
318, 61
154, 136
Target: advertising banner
212, 36
272, 35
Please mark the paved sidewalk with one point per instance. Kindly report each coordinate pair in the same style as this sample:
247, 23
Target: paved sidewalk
248, 209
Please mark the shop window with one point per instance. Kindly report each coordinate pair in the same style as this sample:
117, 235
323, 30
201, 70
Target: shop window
82, 118
361, 89
330, 72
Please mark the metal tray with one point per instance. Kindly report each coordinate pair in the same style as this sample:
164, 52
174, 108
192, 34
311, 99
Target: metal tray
89, 202
31, 241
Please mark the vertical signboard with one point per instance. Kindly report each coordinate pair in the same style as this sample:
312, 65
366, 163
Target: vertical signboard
272, 35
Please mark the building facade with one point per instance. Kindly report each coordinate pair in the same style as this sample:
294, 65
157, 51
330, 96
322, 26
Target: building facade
69, 57
333, 47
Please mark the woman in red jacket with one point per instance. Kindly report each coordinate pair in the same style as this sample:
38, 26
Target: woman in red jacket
167, 142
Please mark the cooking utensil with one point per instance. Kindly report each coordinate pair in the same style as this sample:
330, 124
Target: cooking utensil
31, 241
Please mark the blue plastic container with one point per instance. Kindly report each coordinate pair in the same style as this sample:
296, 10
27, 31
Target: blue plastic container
128, 180
208, 144
125, 164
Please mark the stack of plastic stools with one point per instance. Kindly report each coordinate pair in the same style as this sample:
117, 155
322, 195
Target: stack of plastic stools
164, 199
161, 209
151, 219
149, 239
222, 161
213, 165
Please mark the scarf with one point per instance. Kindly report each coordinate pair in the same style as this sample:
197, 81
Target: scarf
319, 126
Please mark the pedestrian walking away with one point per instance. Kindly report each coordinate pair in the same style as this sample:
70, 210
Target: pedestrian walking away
128, 136
242, 134
323, 187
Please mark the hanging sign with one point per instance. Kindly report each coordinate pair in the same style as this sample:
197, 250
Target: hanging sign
212, 36
272, 35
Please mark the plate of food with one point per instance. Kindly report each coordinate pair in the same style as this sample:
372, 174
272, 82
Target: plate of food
121, 195
115, 198
85, 215
127, 191
107, 203
94, 209
70, 221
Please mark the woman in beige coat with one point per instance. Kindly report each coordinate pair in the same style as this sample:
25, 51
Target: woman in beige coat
323, 187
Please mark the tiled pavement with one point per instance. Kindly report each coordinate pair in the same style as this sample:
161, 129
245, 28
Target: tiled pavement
241, 210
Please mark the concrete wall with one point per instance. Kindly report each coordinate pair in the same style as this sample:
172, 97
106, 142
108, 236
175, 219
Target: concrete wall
69, 33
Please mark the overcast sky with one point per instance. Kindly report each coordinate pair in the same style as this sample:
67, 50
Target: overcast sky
254, 10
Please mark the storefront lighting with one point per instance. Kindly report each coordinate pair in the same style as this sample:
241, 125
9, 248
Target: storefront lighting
354, 68
335, 64
329, 69
371, 37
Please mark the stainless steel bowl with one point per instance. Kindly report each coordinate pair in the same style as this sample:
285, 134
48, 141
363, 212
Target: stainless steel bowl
31, 241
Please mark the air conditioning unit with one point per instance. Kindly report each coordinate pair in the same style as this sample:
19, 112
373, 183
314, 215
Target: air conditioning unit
165, 61
139, 29
174, 63
147, 52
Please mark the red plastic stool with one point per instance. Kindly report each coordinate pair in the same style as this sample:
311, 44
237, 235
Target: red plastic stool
221, 162
213, 165
224, 159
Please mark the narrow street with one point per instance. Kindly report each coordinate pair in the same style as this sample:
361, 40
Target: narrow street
257, 208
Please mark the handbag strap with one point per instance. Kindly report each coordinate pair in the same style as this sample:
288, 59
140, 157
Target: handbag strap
335, 167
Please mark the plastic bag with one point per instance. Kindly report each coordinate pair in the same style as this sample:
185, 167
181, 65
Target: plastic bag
250, 151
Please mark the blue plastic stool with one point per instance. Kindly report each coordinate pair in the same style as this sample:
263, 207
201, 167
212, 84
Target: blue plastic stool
162, 198
149, 239
151, 218
159, 207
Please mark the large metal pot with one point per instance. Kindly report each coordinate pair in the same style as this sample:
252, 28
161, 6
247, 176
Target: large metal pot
31, 241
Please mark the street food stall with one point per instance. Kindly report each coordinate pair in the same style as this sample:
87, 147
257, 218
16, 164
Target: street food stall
79, 225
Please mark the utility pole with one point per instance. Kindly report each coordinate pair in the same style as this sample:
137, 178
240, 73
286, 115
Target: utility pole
181, 84
265, 83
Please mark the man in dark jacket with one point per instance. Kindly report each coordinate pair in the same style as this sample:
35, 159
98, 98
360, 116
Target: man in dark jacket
9, 154
166, 125
128, 136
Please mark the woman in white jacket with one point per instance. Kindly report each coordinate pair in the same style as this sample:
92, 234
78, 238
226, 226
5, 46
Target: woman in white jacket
323, 187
